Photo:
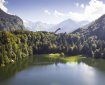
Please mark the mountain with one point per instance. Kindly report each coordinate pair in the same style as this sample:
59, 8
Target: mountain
69, 25
66, 26
37, 26
97, 28
10, 22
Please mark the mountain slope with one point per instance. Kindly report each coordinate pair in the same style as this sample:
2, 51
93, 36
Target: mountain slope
69, 25
66, 26
10, 22
95, 28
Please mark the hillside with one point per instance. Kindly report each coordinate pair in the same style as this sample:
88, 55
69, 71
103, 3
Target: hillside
96, 28
10, 22
69, 25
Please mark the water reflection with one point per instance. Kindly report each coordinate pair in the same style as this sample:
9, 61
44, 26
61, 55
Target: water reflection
96, 63
30, 72
88, 73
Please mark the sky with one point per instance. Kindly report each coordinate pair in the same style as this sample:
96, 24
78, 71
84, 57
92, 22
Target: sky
54, 11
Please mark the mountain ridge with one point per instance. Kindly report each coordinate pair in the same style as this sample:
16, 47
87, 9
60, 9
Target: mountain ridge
66, 26
96, 27
10, 22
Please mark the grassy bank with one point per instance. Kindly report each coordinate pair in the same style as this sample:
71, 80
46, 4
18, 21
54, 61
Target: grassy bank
50, 58
59, 58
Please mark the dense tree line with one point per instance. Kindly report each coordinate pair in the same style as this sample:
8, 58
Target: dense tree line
19, 44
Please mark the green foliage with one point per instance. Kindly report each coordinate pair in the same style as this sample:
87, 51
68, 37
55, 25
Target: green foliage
16, 45
62, 54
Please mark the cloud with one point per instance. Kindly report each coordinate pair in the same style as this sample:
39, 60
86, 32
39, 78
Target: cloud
47, 12
92, 10
2, 5
95, 9
79, 5
82, 5
58, 14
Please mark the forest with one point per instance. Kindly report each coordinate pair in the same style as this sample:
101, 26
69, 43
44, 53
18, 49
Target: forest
16, 45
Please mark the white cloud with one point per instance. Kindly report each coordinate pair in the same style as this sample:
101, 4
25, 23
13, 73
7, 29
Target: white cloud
58, 14
79, 5
47, 12
92, 10
82, 5
95, 9
2, 5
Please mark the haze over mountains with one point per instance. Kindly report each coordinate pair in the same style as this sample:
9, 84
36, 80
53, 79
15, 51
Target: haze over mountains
38, 26
66, 26
69, 25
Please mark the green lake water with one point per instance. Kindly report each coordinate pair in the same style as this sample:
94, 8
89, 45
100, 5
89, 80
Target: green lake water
38, 72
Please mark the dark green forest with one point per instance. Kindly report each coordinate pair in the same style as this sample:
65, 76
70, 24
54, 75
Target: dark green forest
16, 45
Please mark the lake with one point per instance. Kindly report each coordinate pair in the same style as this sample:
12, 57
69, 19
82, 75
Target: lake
32, 72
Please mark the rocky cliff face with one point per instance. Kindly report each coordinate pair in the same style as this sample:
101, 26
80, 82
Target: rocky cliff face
10, 22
